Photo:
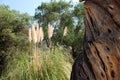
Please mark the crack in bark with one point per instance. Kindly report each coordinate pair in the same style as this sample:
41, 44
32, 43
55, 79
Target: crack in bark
90, 66
104, 66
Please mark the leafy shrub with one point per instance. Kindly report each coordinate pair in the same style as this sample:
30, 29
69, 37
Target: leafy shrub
12, 33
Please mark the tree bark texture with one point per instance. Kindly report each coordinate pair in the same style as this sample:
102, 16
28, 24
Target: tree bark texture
100, 59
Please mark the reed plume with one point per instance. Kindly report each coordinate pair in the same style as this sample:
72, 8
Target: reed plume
41, 34
50, 31
35, 46
65, 31
37, 29
34, 34
37, 32
64, 34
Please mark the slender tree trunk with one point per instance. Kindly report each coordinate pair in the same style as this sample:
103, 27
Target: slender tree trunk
100, 59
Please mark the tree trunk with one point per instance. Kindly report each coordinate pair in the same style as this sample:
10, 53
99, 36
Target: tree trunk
100, 59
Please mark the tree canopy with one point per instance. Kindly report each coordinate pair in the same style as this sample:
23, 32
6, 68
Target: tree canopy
63, 14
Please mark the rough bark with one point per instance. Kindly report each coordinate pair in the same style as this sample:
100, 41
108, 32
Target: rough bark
100, 59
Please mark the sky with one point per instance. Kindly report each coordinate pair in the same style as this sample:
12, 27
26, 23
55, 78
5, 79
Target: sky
26, 6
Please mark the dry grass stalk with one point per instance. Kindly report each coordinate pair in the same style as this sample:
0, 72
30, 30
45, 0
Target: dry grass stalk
34, 34
30, 35
65, 31
50, 31
40, 34
36, 59
37, 32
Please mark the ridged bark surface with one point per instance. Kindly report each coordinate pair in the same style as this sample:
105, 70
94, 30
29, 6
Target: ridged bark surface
100, 59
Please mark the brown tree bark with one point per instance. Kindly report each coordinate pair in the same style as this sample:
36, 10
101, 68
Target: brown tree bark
100, 59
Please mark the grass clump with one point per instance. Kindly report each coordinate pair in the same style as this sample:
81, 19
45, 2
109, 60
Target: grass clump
54, 65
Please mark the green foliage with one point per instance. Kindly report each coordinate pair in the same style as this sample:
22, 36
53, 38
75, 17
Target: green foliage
78, 11
12, 32
53, 13
48, 12
74, 40
12, 26
62, 14
54, 65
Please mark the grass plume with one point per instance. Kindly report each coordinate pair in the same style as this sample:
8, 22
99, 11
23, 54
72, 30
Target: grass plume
50, 31
34, 35
65, 31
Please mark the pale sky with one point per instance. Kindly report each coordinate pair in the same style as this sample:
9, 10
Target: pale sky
28, 6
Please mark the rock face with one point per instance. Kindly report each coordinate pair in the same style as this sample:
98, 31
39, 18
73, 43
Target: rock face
100, 59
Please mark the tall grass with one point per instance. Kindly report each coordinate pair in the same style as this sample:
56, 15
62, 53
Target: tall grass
38, 63
52, 66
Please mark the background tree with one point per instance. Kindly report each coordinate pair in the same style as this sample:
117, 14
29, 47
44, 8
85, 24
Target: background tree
63, 14
51, 13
